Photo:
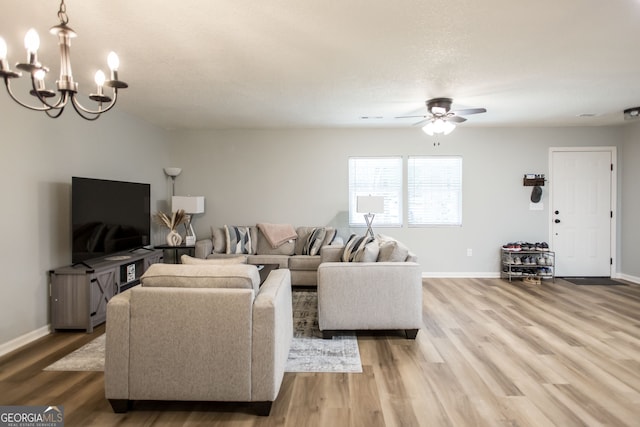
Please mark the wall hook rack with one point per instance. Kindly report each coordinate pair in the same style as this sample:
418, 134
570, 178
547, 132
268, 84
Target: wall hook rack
533, 180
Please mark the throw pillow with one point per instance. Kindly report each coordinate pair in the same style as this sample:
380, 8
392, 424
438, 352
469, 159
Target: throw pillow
392, 251
368, 252
219, 239
187, 260
352, 246
314, 242
238, 239
330, 235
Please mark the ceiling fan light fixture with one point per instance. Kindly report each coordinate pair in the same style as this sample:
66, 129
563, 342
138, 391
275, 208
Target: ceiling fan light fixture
428, 129
438, 126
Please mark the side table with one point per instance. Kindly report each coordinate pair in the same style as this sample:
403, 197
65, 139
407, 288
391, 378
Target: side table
171, 254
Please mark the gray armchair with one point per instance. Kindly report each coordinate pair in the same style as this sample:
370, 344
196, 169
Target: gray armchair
368, 295
199, 333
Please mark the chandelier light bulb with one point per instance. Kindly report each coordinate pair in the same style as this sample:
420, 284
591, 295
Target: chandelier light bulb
3, 49
100, 78
39, 74
32, 41
113, 61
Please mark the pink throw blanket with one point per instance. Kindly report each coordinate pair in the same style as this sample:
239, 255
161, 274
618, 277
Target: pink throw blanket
277, 234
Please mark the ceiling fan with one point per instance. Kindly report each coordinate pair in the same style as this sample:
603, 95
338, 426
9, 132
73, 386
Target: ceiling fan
440, 118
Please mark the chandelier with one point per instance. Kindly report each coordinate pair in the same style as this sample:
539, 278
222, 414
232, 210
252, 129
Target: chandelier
67, 88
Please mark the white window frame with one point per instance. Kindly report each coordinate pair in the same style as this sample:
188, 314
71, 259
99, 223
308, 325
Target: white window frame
377, 176
434, 191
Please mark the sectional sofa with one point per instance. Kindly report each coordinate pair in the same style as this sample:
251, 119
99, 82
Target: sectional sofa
300, 252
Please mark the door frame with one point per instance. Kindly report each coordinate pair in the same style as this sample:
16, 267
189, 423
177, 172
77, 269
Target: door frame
614, 196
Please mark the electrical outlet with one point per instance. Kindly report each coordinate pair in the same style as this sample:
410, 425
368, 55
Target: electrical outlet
469, 252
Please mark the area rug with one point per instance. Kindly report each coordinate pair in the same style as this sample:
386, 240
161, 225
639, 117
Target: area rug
594, 281
309, 352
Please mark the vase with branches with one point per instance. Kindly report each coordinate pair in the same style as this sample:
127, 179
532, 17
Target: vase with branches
172, 222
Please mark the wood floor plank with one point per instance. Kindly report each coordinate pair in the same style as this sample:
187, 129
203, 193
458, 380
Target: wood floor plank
491, 353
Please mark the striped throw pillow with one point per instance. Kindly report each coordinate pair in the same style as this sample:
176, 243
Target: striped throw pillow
354, 246
238, 239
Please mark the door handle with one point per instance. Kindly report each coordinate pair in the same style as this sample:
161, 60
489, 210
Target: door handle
557, 221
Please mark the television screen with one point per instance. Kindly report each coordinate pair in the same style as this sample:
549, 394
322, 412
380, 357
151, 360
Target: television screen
108, 217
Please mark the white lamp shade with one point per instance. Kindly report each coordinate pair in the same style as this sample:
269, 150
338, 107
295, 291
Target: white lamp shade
189, 204
370, 204
172, 172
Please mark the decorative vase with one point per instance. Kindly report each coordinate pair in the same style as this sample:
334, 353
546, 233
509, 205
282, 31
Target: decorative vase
174, 238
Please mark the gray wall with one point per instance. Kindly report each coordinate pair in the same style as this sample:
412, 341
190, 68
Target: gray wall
300, 177
247, 176
630, 212
39, 157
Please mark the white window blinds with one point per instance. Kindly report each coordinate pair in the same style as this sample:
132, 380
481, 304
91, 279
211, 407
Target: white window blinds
435, 190
376, 176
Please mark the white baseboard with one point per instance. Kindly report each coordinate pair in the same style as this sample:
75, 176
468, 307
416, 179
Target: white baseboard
628, 278
496, 275
23, 340
461, 275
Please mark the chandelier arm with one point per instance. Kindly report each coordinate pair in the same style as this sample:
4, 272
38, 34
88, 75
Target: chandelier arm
57, 114
60, 103
46, 106
85, 113
77, 105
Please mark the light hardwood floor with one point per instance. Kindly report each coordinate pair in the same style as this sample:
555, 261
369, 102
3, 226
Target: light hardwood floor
491, 353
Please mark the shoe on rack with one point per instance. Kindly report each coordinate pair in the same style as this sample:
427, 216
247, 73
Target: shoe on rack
517, 261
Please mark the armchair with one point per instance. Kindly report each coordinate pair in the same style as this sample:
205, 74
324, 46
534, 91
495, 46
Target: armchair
368, 295
199, 333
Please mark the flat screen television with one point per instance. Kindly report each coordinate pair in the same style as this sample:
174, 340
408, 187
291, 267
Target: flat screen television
108, 217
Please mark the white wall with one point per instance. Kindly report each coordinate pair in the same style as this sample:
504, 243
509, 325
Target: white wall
300, 177
39, 157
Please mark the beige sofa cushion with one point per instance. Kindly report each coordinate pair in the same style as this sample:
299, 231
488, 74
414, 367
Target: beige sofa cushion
240, 259
202, 276
304, 262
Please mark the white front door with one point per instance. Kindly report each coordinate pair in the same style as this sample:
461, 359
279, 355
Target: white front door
581, 211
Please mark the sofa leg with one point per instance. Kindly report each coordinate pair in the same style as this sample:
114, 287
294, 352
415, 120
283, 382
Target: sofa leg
411, 333
327, 335
263, 409
120, 406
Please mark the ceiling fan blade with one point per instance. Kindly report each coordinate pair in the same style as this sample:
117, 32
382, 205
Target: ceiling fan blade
411, 117
467, 111
422, 122
456, 119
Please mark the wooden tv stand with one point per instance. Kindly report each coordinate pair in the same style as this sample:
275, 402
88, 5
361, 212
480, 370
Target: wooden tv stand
79, 293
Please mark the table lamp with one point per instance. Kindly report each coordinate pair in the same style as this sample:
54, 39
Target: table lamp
370, 206
191, 205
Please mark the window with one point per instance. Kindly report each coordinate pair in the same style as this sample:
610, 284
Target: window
376, 176
435, 190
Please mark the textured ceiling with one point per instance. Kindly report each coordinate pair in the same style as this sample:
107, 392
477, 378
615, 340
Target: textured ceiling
203, 64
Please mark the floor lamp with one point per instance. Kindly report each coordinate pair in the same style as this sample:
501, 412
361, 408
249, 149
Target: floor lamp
370, 206
191, 205
172, 172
